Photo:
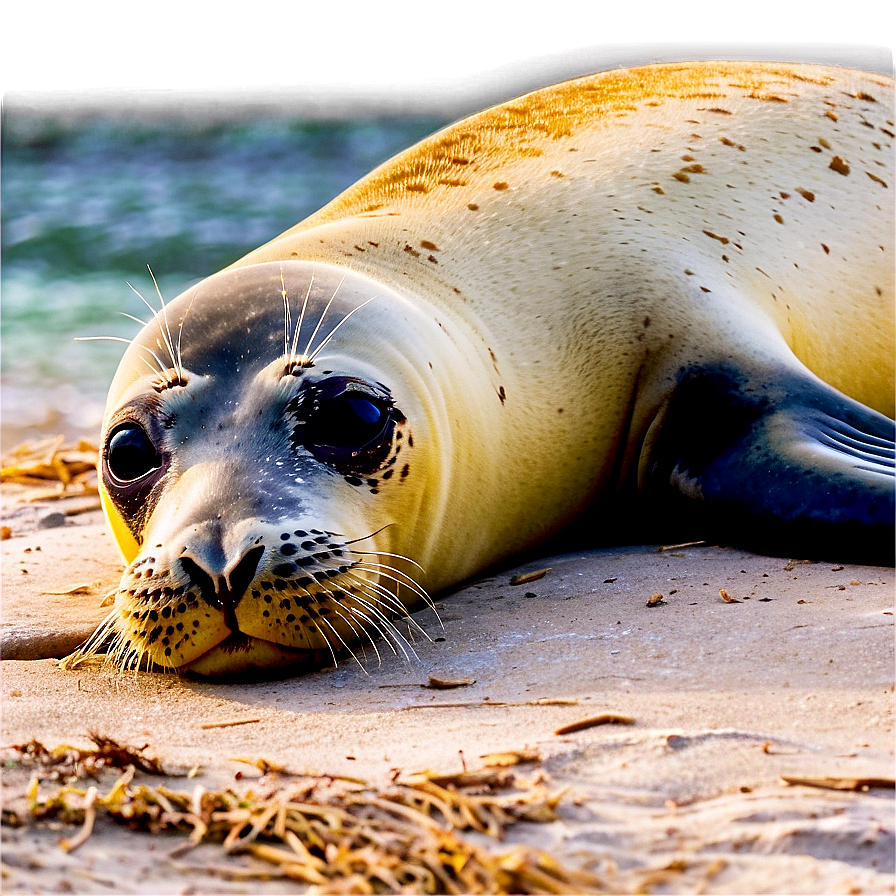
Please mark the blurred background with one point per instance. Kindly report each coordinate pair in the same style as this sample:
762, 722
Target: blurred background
113, 159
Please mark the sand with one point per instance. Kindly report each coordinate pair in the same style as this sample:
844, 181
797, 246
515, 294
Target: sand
793, 678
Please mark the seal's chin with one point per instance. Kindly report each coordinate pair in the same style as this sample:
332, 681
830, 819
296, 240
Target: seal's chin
240, 657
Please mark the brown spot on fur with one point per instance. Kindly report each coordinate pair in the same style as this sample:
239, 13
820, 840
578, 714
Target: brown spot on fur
779, 219
826, 250
550, 114
722, 239
808, 195
426, 244
767, 97
500, 185
838, 165
876, 179
681, 176
473, 207
831, 115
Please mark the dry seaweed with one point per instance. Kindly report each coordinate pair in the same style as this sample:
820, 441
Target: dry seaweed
78, 763
606, 718
444, 684
67, 469
525, 577
409, 836
862, 785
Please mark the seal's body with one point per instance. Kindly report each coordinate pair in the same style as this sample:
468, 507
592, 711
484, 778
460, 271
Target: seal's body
666, 290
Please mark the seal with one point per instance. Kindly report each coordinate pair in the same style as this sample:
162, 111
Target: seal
659, 297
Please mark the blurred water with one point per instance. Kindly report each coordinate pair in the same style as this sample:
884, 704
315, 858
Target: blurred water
87, 206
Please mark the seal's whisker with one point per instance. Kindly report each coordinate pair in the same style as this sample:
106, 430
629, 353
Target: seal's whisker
342, 641
323, 345
320, 631
293, 357
180, 333
166, 331
166, 335
135, 319
345, 613
379, 603
321, 320
391, 601
382, 553
387, 633
388, 599
286, 317
341, 610
387, 628
302, 315
126, 656
162, 367
400, 579
331, 596
398, 576
135, 658
372, 603
94, 645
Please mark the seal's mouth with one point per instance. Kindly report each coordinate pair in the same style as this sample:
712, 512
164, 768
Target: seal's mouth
244, 658
312, 599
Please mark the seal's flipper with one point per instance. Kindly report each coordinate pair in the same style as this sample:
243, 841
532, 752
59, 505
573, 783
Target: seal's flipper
788, 467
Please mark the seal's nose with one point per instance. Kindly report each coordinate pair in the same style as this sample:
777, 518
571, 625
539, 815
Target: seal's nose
225, 591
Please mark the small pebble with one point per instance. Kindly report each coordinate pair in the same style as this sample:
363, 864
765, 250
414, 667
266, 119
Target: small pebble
51, 521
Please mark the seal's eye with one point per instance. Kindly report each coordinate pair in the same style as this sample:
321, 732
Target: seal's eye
130, 454
346, 423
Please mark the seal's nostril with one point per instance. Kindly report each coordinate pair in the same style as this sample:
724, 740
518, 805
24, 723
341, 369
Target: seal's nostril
243, 574
226, 593
199, 577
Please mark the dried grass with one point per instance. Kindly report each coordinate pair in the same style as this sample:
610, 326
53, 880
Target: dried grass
336, 834
57, 470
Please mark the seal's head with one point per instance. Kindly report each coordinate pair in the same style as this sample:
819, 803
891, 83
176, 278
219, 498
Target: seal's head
262, 473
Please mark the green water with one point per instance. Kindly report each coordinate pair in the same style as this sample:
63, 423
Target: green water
86, 207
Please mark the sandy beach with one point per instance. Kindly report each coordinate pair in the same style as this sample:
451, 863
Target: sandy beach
724, 702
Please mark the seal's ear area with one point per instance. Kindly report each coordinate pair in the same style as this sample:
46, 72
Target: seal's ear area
787, 467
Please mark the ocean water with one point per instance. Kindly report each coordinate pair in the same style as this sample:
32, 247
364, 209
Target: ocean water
88, 205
